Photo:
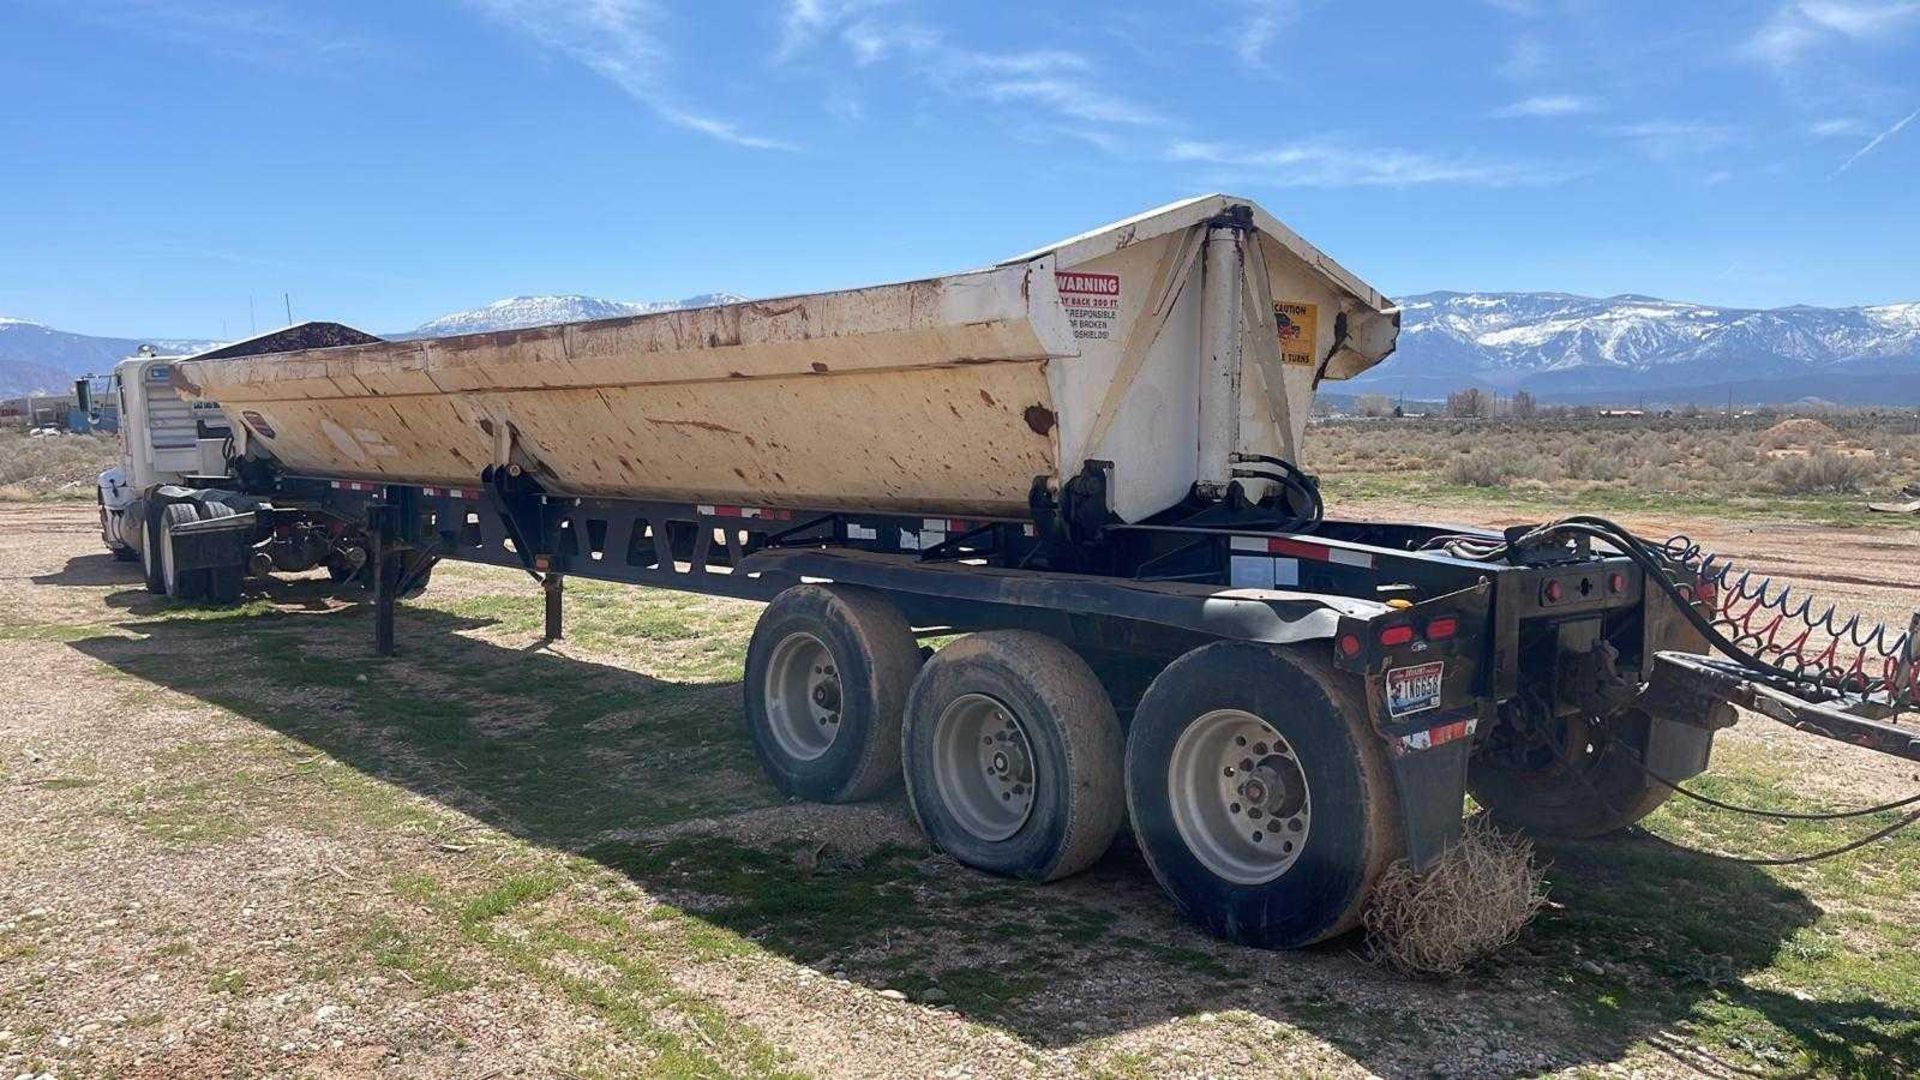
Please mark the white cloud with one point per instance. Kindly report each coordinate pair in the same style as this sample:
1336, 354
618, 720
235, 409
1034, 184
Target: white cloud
1547, 105
1799, 28
1320, 163
1876, 141
252, 31
1264, 21
619, 40
806, 20
1050, 90
1673, 140
1527, 58
1860, 20
1836, 126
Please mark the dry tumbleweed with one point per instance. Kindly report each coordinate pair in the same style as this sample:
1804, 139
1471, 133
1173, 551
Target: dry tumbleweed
1473, 901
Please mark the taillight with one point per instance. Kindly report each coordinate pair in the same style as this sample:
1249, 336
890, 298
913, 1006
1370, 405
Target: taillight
1397, 634
1442, 628
1350, 646
1616, 582
1553, 591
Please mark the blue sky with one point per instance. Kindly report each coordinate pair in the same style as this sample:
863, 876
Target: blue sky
163, 160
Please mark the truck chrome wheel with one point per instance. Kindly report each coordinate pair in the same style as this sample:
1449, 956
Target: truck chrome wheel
983, 766
803, 696
1238, 796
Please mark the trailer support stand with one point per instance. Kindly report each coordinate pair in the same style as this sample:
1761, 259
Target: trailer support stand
555, 586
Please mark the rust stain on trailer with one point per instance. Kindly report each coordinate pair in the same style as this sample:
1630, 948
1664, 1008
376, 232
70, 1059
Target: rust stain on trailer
1039, 418
703, 425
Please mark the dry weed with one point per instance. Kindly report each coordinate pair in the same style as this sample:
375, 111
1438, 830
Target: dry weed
1476, 900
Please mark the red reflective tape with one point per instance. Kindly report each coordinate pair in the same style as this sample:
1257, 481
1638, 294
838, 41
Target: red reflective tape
1446, 733
1298, 549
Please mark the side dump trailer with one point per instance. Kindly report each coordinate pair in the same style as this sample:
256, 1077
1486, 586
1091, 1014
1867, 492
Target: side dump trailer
944, 396
1088, 462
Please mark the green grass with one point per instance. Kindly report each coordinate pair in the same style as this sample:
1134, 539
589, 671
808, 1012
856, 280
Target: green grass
391, 946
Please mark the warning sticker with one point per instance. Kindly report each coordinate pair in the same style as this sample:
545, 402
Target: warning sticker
1092, 302
1415, 689
1298, 324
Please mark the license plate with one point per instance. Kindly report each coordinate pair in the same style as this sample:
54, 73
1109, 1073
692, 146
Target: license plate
1415, 689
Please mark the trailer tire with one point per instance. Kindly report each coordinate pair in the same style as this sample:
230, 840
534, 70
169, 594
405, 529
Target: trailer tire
181, 585
1196, 775
1595, 785
828, 670
1013, 755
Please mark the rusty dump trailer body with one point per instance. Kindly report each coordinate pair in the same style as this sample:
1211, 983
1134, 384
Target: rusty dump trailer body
1085, 461
948, 395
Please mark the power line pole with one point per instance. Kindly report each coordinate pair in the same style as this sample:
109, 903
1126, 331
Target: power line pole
288, 298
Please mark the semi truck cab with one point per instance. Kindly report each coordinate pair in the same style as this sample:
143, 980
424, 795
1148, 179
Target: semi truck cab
163, 440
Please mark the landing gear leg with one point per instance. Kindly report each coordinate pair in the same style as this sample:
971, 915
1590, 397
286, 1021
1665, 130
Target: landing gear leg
555, 586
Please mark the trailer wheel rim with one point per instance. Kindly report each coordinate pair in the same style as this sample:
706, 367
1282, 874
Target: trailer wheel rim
1239, 796
983, 766
803, 696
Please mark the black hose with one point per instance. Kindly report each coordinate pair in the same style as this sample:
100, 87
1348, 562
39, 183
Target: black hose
1292, 477
1634, 548
1783, 860
1782, 815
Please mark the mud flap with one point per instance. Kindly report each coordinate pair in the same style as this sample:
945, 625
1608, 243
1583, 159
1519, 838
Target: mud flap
1432, 785
214, 544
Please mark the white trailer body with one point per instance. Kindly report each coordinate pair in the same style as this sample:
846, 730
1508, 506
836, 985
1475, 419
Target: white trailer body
1162, 344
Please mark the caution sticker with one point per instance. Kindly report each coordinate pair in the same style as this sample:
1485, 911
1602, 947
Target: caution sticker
1092, 302
1415, 689
1297, 324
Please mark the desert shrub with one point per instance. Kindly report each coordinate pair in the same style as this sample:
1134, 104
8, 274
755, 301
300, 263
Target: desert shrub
1821, 472
1654, 479
1566, 453
1480, 468
1584, 461
60, 466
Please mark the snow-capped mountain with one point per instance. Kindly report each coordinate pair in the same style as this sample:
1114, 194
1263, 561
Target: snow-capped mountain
1558, 346
36, 359
516, 312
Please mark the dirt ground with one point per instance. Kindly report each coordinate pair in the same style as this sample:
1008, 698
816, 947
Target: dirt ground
236, 844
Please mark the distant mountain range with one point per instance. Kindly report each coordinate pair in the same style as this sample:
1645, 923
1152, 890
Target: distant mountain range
37, 360
1561, 347
1557, 346
516, 312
